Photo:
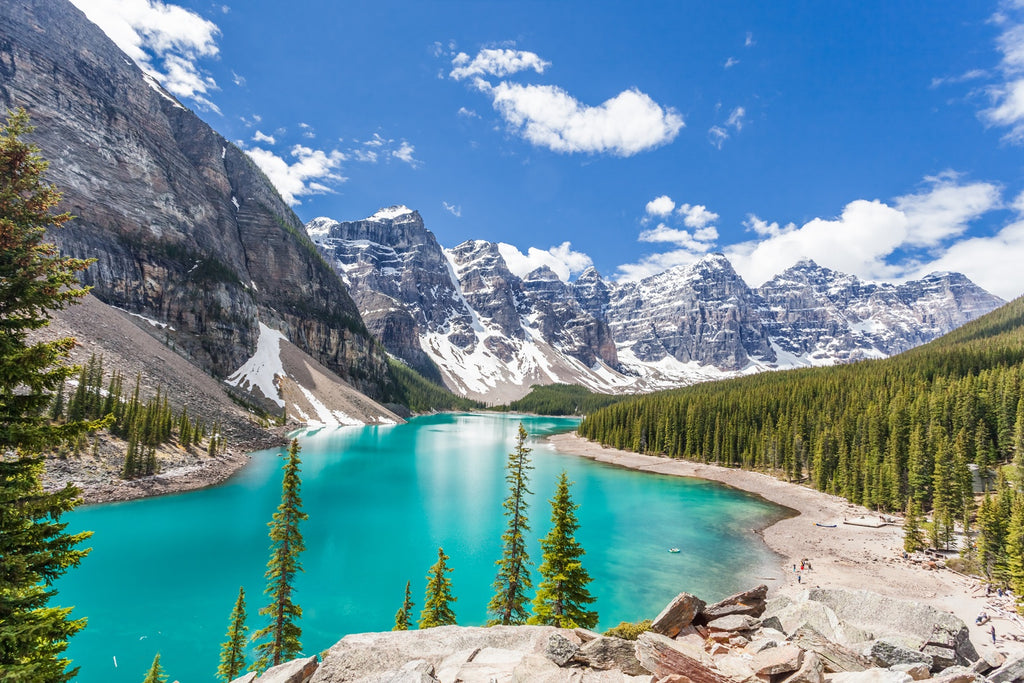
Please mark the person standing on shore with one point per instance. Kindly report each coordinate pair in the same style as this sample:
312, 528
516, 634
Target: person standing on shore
992, 630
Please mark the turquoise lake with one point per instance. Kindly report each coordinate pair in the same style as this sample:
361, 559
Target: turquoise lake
164, 572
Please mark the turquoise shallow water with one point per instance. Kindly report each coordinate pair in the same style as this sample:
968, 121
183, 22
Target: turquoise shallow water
164, 572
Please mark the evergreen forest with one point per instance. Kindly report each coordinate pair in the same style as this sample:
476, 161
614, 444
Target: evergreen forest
880, 433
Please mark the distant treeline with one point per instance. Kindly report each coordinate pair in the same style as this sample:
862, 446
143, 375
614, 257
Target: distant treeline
420, 395
560, 399
144, 425
875, 432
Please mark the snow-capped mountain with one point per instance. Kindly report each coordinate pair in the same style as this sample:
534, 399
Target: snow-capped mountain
460, 315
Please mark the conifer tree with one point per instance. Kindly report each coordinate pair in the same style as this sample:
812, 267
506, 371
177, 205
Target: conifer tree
283, 632
508, 606
437, 609
232, 651
562, 596
403, 618
913, 539
34, 548
156, 672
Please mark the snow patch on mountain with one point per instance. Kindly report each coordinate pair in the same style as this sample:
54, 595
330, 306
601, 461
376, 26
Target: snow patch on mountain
263, 368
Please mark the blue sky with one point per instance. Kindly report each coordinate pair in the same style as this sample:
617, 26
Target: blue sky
878, 138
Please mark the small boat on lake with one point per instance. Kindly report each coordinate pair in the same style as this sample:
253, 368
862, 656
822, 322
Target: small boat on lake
673, 550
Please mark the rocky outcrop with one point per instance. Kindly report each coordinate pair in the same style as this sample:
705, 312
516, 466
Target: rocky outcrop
184, 228
751, 653
702, 313
820, 314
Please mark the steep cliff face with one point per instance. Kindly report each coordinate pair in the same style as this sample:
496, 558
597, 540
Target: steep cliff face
460, 315
702, 313
830, 317
184, 227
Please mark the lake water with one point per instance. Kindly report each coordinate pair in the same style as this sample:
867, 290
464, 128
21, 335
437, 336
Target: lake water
164, 572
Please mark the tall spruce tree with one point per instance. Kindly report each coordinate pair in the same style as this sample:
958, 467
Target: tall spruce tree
282, 634
562, 595
232, 651
437, 610
34, 548
508, 606
913, 538
403, 617
156, 672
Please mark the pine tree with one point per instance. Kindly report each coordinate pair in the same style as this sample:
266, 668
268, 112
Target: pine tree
508, 606
232, 651
913, 539
156, 672
34, 281
285, 545
437, 609
562, 595
403, 618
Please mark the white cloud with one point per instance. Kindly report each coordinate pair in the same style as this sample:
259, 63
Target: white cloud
404, 153
945, 210
452, 209
561, 259
260, 136
499, 63
731, 62
697, 215
165, 40
364, 155
660, 206
467, 113
1008, 97
238, 79
749, 42
717, 136
736, 118
312, 172
547, 116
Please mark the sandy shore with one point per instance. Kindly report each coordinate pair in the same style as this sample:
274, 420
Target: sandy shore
847, 555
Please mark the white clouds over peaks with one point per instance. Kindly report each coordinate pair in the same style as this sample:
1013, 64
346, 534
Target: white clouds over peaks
561, 259
907, 237
499, 63
312, 172
692, 241
548, 116
165, 40
260, 136
873, 239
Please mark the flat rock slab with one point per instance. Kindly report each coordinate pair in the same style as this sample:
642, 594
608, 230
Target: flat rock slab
734, 622
1011, 671
663, 656
836, 657
608, 652
749, 602
777, 660
677, 615
295, 671
886, 653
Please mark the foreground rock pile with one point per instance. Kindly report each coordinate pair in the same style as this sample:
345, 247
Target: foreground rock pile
818, 636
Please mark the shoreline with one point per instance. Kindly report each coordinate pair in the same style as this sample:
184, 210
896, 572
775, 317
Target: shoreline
844, 556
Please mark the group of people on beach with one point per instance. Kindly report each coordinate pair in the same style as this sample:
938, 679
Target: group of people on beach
804, 565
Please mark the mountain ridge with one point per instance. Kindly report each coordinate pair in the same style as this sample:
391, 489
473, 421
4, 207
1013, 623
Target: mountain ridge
497, 333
